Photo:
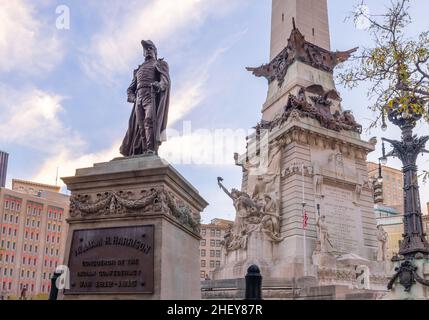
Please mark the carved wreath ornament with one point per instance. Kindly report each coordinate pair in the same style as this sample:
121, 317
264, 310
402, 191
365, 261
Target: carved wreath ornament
122, 203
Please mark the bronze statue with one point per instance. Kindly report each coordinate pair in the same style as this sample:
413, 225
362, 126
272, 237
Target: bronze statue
150, 93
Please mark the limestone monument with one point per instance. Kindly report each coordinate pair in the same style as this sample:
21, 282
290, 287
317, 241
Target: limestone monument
134, 221
305, 161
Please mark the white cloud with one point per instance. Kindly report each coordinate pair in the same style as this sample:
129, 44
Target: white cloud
30, 117
26, 43
68, 160
114, 49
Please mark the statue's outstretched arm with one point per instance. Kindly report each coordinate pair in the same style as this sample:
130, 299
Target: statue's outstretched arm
219, 182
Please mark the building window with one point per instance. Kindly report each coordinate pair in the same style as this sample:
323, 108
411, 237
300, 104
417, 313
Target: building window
203, 232
217, 253
203, 253
212, 253
202, 274
212, 243
212, 264
203, 242
217, 243
217, 263
212, 232
218, 233
203, 263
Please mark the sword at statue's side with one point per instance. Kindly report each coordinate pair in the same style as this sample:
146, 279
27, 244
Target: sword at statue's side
153, 93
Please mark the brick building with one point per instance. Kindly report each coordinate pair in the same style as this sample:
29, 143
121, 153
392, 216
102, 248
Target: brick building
33, 231
210, 246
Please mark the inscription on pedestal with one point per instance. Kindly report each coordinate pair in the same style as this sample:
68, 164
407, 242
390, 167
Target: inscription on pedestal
113, 260
342, 219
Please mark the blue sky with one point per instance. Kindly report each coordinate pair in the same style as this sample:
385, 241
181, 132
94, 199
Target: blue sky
69, 86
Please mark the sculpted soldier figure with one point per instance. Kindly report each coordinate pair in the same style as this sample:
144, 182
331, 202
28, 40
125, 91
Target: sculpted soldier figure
150, 93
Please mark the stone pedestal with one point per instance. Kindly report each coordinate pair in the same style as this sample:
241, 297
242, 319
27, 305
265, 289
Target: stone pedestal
133, 232
259, 251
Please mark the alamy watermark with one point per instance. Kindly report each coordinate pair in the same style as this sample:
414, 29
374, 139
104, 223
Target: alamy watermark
63, 17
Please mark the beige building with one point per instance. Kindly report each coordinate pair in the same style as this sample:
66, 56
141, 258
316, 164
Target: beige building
210, 246
426, 223
393, 185
33, 230
392, 221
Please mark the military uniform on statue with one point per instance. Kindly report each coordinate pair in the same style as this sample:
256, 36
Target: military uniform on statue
150, 93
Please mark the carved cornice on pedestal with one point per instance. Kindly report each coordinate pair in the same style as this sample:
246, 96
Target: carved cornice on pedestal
125, 203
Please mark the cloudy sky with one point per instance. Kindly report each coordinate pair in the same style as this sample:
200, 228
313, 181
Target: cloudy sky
63, 91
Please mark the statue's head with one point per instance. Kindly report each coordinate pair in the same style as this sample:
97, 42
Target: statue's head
149, 49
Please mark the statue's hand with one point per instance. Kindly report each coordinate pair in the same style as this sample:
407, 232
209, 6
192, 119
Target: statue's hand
131, 98
156, 86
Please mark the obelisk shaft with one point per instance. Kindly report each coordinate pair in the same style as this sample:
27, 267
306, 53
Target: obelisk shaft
311, 18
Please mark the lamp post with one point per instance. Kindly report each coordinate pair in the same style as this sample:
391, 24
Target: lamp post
378, 185
414, 244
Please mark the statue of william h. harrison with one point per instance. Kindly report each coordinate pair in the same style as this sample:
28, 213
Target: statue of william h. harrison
150, 93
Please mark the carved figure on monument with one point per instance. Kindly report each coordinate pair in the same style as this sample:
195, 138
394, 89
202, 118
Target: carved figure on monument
227, 240
317, 179
264, 177
270, 223
150, 93
358, 192
244, 206
349, 122
323, 235
382, 238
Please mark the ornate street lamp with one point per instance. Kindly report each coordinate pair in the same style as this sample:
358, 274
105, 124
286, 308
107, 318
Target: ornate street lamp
414, 244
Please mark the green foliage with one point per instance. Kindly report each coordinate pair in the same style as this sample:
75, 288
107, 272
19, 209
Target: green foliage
397, 66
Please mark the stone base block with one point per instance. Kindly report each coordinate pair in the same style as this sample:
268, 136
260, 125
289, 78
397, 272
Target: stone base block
133, 232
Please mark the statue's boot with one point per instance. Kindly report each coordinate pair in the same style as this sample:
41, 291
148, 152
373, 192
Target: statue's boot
150, 137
